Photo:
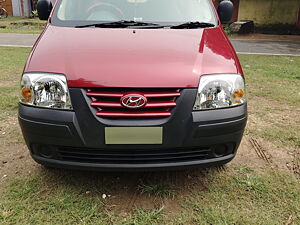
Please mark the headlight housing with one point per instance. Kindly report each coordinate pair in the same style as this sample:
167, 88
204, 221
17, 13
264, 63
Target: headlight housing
220, 91
45, 90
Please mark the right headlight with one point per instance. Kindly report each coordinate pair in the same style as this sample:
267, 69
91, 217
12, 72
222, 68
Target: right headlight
46, 90
220, 91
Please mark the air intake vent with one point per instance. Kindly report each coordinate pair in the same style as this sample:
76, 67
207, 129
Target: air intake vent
124, 156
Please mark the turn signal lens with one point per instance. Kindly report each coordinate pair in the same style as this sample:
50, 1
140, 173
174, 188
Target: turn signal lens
239, 93
26, 94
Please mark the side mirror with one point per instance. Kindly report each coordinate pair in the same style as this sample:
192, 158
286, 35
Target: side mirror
225, 11
44, 8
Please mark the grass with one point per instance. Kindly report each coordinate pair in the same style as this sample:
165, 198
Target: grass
237, 195
275, 82
11, 69
273, 78
143, 217
12, 63
64, 202
160, 189
232, 197
21, 25
246, 198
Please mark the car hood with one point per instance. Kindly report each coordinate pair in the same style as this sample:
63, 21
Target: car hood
95, 57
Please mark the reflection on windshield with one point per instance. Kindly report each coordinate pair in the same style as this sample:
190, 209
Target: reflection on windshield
159, 11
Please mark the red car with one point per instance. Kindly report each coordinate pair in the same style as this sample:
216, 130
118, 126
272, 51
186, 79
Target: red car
133, 84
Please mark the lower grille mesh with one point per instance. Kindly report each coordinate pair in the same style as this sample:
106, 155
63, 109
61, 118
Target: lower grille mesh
132, 156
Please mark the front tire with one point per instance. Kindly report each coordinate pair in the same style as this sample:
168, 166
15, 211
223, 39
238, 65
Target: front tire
3, 13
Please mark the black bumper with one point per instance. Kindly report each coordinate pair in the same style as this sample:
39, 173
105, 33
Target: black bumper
75, 139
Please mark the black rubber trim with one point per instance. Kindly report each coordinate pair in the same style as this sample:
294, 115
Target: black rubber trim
53, 130
132, 167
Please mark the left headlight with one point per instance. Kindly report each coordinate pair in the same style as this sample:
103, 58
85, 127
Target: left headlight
220, 91
45, 90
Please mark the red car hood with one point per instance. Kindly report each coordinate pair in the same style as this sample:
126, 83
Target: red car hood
95, 57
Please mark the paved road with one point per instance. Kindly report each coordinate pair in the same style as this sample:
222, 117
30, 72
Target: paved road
23, 40
266, 47
263, 47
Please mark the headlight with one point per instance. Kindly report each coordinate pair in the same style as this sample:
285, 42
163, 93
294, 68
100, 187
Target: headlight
220, 91
45, 90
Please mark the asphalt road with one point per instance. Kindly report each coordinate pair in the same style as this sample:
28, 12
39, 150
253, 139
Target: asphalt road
263, 47
17, 40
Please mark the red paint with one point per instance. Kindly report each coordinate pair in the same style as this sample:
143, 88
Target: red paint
148, 58
147, 94
235, 16
133, 114
95, 57
149, 104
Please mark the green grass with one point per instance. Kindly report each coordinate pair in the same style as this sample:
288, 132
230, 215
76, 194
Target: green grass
145, 217
238, 195
275, 81
274, 78
160, 189
61, 199
21, 25
12, 63
246, 198
231, 197
37, 205
284, 135
13, 18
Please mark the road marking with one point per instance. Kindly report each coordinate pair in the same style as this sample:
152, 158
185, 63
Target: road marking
17, 46
269, 54
265, 40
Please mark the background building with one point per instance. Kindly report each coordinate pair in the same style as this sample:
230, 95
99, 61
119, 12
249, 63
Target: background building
262, 12
266, 12
18, 7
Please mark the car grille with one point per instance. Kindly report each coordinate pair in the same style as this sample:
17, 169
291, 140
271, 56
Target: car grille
107, 102
124, 156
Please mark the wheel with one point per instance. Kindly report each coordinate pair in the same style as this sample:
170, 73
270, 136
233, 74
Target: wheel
3, 13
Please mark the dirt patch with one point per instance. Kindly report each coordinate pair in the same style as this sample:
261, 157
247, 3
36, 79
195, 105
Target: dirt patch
256, 150
128, 197
258, 154
15, 160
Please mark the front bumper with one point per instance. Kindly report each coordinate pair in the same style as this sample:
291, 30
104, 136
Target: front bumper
75, 139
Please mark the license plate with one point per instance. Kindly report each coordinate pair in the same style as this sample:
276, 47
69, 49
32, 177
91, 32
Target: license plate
133, 135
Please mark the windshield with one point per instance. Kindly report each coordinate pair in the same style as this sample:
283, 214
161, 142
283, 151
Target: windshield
81, 12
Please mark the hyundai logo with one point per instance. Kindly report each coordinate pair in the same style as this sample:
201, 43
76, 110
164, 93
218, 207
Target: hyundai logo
133, 101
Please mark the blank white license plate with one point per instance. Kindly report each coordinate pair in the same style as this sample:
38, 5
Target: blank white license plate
133, 135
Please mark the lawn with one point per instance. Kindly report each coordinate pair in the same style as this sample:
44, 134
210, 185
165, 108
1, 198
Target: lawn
261, 186
21, 25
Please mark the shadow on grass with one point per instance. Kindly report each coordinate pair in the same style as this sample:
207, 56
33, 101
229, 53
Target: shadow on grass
154, 184
113, 193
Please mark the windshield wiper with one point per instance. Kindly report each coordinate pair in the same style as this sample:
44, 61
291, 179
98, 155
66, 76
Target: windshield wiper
121, 24
192, 25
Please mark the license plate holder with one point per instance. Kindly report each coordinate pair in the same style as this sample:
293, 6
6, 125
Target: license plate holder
133, 135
